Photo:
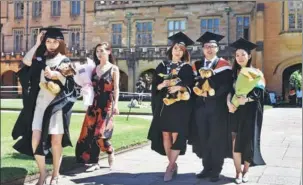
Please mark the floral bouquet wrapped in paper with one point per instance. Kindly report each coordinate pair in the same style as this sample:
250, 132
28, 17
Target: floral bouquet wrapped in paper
248, 79
83, 78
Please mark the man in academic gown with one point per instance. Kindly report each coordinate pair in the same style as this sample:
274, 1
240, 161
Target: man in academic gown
211, 142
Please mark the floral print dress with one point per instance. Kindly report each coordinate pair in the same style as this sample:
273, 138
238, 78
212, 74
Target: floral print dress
97, 126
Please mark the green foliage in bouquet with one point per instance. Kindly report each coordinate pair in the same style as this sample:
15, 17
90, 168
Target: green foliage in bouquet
248, 78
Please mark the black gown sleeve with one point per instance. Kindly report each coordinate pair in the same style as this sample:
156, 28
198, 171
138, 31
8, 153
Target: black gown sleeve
187, 77
256, 94
226, 81
155, 93
223, 83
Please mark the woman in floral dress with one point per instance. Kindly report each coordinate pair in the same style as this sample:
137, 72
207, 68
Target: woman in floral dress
98, 123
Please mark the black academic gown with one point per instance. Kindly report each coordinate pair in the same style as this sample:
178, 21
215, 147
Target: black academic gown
247, 123
30, 78
178, 113
210, 132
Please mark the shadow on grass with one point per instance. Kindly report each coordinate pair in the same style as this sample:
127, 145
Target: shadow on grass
20, 156
9, 173
26, 157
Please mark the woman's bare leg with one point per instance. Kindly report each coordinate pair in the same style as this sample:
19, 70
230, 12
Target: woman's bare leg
174, 154
39, 158
246, 167
236, 157
57, 153
167, 142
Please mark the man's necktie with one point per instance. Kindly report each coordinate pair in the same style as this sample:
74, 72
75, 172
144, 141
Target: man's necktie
207, 63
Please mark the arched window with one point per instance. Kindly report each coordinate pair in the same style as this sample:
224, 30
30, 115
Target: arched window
74, 38
78, 39
18, 39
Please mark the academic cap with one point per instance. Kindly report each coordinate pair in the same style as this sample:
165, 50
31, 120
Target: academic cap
53, 32
209, 37
181, 38
243, 44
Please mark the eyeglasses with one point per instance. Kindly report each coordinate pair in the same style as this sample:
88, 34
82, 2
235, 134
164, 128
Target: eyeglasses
210, 47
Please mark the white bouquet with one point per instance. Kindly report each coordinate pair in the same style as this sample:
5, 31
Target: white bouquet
83, 78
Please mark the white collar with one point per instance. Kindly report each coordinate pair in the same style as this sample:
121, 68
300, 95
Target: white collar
53, 62
212, 60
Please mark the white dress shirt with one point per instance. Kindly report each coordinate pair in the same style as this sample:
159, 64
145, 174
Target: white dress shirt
212, 61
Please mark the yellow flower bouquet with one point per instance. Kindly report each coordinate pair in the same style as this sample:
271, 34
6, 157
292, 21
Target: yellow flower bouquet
248, 79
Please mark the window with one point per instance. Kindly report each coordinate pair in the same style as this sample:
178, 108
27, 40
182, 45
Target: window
56, 7
175, 26
74, 38
243, 27
294, 15
75, 8
34, 34
210, 24
144, 33
19, 7
117, 34
37, 8
18, 39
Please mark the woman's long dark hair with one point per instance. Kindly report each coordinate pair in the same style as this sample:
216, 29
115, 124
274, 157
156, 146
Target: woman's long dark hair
185, 57
108, 47
237, 67
42, 50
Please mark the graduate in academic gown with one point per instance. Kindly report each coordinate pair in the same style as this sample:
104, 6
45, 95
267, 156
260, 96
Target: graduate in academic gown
169, 127
43, 123
246, 120
209, 129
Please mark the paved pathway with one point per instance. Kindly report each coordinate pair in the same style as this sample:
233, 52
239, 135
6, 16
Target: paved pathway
281, 149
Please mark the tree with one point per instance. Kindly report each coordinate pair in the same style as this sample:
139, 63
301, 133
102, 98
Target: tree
295, 79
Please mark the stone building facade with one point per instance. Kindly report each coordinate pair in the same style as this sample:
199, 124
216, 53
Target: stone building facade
138, 31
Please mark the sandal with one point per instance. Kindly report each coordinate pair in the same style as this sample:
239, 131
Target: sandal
93, 168
245, 178
44, 182
54, 181
238, 180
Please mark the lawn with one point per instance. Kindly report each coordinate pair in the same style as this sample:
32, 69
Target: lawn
123, 106
267, 107
78, 106
127, 133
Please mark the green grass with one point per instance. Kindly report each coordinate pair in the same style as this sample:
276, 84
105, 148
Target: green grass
15, 165
267, 107
78, 106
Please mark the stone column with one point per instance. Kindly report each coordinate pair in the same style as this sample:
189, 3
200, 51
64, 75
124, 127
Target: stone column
132, 68
260, 37
130, 78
